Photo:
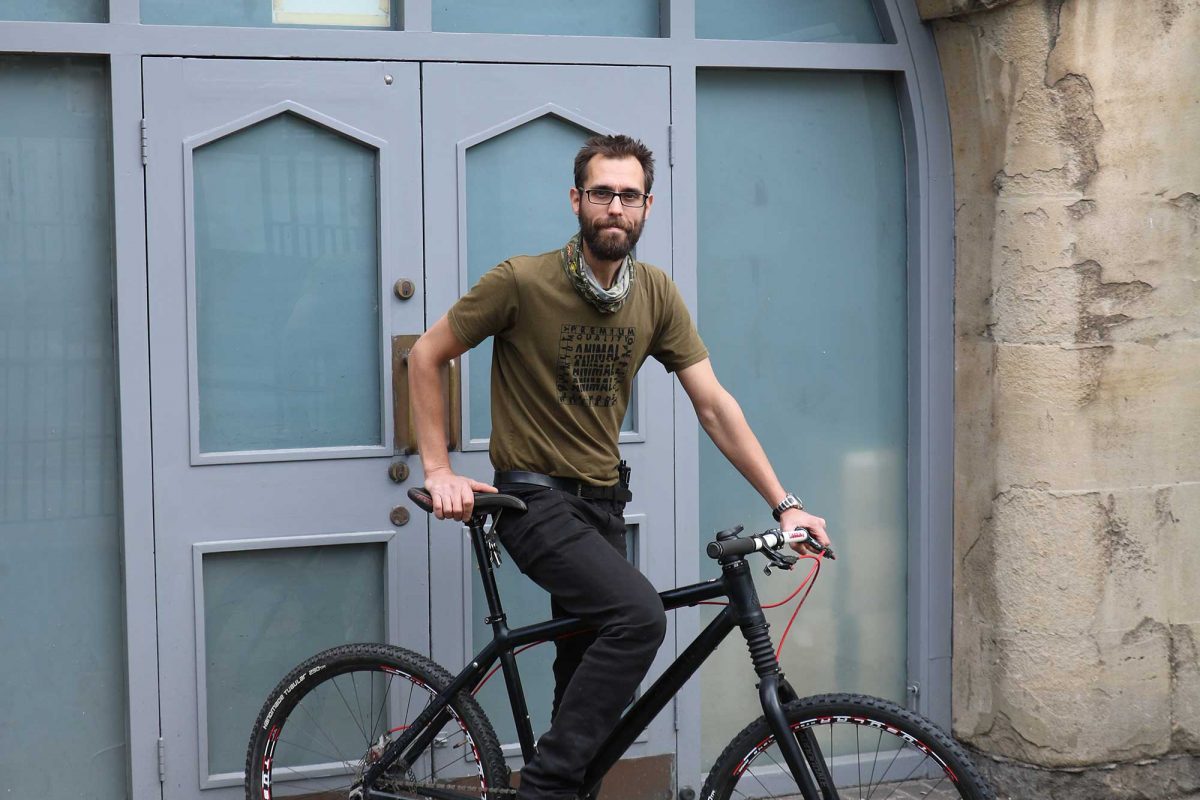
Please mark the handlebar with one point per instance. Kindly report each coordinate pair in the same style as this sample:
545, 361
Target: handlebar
728, 543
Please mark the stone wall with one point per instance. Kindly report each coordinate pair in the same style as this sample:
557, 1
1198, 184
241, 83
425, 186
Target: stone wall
1076, 133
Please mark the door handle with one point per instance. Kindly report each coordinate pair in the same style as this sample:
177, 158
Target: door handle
405, 437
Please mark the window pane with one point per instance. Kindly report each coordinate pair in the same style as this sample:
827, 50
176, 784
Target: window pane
788, 20
287, 289
613, 18
265, 611
55, 10
274, 13
62, 648
802, 236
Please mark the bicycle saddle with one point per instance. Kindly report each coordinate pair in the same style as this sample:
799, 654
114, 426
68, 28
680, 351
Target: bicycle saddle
485, 502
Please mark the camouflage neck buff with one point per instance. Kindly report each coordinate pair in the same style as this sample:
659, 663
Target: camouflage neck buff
604, 300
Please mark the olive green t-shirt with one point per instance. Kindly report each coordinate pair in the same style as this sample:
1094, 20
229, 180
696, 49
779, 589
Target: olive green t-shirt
562, 371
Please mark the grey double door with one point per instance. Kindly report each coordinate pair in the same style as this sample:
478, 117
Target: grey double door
305, 221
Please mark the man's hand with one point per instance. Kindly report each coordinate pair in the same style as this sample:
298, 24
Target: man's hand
453, 495
795, 518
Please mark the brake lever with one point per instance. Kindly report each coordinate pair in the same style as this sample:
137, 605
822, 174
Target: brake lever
780, 561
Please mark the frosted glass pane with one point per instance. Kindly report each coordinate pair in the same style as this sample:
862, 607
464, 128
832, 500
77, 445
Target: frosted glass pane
274, 13
788, 20
265, 611
518, 202
62, 647
287, 289
525, 603
802, 291
613, 18
55, 10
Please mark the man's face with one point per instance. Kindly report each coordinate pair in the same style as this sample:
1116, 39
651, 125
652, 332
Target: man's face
611, 231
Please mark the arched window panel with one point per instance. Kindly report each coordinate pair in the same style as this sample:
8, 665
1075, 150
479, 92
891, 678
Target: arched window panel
514, 206
286, 289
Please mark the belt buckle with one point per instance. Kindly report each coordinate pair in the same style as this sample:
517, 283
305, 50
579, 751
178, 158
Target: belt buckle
579, 488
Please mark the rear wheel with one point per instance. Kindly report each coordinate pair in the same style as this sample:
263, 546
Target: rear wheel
330, 718
869, 748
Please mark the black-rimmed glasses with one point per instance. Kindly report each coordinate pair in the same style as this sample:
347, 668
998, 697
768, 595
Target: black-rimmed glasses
604, 197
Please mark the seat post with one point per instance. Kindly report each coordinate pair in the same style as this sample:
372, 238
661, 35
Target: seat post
499, 623
484, 560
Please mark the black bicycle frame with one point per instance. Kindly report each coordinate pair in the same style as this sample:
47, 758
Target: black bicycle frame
743, 610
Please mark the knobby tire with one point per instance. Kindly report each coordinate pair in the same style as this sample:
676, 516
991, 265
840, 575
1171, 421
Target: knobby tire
331, 717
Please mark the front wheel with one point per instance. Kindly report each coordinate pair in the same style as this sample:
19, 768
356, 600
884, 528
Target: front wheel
868, 748
333, 716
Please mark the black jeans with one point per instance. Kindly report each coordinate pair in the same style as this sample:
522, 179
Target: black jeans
575, 550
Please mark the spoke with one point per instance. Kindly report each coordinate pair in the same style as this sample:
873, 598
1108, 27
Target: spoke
346, 703
383, 706
874, 762
296, 771
941, 780
895, 755
461, 759
831, 751
750, 771
327, 758
318, 726
858, 760
904, 780
783, 768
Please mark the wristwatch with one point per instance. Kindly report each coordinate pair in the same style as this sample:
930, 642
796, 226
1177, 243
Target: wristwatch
791, 501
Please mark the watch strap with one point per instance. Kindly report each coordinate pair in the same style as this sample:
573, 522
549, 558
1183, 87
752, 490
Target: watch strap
789, 501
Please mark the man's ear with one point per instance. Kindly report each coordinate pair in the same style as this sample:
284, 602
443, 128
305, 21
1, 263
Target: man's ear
576, 197
649, 203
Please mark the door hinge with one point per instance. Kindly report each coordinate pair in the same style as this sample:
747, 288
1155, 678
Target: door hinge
145, 152
914, 694
162, 761
670, 145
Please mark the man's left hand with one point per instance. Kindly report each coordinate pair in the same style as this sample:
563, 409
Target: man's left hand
795, 518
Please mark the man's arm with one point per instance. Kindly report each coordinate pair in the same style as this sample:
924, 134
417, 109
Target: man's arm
453, 495
723, 421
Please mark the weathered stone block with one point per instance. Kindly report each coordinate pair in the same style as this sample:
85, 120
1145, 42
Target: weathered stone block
1169, 778
1087, 418
1058, 699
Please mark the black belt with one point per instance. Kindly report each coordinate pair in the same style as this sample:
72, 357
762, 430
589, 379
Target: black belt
577, 488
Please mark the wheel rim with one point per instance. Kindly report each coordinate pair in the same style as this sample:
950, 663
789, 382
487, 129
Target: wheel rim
340, 725
867, 758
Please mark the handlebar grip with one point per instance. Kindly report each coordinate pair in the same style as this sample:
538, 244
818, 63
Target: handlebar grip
732, 547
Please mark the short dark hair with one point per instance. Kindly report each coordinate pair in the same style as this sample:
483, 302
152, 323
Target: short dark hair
616, 146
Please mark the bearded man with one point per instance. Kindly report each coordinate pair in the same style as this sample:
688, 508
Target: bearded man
571, 328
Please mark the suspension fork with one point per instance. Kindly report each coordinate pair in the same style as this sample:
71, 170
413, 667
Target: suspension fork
800, 750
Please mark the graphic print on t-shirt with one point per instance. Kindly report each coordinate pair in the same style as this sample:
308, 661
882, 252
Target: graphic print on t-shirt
593, 363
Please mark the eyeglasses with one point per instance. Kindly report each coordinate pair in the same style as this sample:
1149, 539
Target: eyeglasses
604, 197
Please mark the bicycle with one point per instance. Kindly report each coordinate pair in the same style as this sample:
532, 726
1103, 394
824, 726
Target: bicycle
378, 722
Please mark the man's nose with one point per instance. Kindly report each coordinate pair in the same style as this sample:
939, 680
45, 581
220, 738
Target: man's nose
615, 208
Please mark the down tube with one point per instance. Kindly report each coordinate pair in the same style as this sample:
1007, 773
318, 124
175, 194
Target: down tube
657, 696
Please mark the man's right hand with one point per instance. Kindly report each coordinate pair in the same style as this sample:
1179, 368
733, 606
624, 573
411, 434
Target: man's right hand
453, 495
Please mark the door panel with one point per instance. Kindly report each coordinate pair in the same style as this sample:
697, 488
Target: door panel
499, 147
271, 320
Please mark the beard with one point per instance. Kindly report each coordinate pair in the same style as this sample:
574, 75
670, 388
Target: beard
610, 240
